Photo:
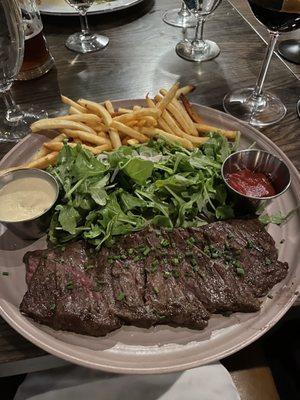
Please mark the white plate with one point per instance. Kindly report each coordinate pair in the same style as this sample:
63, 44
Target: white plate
162, 348
61, 8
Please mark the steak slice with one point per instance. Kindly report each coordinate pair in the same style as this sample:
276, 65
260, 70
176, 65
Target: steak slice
253, 248
79, 297
168, 297
218, 289
32, 260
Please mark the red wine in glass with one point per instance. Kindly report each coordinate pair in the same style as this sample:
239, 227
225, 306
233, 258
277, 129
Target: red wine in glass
277, 15
253, 104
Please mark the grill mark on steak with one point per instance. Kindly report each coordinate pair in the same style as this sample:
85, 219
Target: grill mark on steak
152, 277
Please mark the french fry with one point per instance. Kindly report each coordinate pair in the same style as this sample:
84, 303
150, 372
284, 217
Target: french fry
132, 123
73, 110
206, 129
185, 90
72, 103
98, 109
152, 132
190, 110
147, 121
185, 120
136, 108
89, 119
43, 162
57, 123
132, 142
168, 98
133, 133
57, 146
122, 110
174, 128
114, 138
109, 107
150, 102
143, 112
43, 151
86, 137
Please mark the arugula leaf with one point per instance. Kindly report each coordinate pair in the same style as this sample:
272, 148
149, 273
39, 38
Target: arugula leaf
68, 218
138, 170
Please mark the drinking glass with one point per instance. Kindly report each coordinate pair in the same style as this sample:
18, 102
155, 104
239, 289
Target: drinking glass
15, 124
37, 59
180, 17
255, 105
85, 41
199, 49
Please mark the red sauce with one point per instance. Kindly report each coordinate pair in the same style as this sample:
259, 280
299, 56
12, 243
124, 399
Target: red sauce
250, 183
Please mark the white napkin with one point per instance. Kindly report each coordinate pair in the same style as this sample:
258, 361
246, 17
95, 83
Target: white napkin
210, 382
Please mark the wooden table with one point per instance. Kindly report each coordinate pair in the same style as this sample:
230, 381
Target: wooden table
139, 59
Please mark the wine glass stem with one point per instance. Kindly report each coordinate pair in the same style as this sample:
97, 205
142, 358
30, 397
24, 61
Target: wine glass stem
84, 24
265, 65
184, 12
13, 113
198, 39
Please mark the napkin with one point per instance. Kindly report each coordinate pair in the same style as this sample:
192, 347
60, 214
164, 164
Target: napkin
210, 382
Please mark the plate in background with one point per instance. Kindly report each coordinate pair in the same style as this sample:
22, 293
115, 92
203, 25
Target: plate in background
61, 8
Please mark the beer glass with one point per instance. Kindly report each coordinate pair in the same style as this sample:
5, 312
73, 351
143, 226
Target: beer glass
37, 58
254, 105
180, 17
85, 41
14, 125
199, 49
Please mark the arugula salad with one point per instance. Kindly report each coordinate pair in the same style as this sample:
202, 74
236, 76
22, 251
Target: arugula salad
157, 183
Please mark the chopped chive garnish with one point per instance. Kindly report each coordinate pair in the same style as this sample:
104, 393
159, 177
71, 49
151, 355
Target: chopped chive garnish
70, 285
175, 273
167, 274
156, 291
165, 243
121, 296
282, 241
130, 251
240, 271
52, 306
268, 261
89, 266
249, 244
190, 241
175, 261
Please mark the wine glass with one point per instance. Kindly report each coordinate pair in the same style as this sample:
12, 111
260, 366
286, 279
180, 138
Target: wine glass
180, 17
15, 124
85, 41
199, 49
254, 105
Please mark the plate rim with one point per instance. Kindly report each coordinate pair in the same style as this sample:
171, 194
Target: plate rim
75, 357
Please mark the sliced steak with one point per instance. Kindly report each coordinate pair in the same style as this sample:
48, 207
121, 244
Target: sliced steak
212, 283
32, 260
79, 298
252, 246
166, 294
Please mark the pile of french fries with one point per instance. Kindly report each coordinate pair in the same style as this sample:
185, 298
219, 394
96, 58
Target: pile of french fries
99, 127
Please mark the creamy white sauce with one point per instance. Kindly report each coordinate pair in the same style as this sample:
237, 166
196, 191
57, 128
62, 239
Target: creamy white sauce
25, 198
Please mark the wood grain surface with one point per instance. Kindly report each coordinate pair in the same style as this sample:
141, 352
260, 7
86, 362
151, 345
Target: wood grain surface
140, 58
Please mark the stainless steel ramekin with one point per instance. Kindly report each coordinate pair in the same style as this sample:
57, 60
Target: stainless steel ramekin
36, 227
259, 161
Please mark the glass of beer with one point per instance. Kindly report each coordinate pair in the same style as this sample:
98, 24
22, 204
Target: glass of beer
254, 105
85, 41
37, 58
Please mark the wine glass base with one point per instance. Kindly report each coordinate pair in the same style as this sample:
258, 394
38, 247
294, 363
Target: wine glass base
187, 51
81, 43
263, 111
174, 18
15, 129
